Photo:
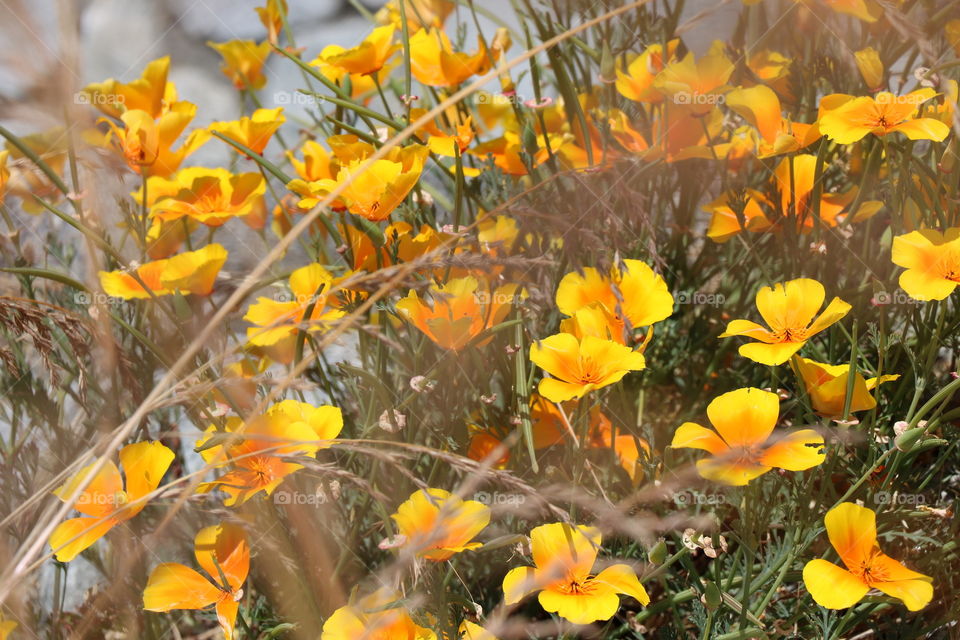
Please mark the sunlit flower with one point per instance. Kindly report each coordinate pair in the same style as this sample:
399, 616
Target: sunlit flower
826, 386
453, 314
252, 131
222, 551
317, 163
448, 140
564, 556
761, 107
107, 501
790, 310
191, 272
146, 93
855, 118
697, 84
435, 524
272, 15
932, 262
209, 196
633, 292
742, 448
637, 83
147, 144
852, 530
420, 13
580, 366
257, 450
243, 62
278, 321
434, 62
373, 618
369, 56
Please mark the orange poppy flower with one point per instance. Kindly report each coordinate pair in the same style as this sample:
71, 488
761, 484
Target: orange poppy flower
826, 386
580, 366
741, 448
852, 530
697, 84
252, 131
790, 310
564, 556
455, 313
256, 451
370, 56
209, 196
147, 144
191, 272
146, 93
107, 501
420, 13
272, 15
223, 552
372, 617
435, 524
637, 83
434, 62
243, 62
854, 118
931, 260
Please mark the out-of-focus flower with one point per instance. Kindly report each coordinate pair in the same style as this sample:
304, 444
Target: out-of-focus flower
580, 366
453, 314
243, 62
107, 501
871, 68
772, 68
420, 13
4, 173
852, 530
932, 262
633, 292
434, 62
435, 524
372, 617
224, 554
272, 15
742, 448
472, 631
209, 196
952, 31
790, 310
190, 272
256, 450
276, 322
855, 118
697, 84
7, 627
564, 556
146, 93
826, 386
370, 56
637, 83
252, 131
483, 444
165, 238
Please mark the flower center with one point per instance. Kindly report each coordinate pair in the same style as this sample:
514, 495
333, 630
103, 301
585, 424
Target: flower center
590, 371
790, 335
871, 573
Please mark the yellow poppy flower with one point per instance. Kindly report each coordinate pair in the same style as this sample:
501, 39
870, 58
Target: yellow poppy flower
243, 62
223, 552
209, 196
276, 322
257, 450
826, 386
884, 113
871, 68
447, 141
790, 310
420, 13
637, 82
761, 107
6, 627
252, 131
317, 163
697, 84
852, 530
370, 56
147, 144
107, 501
455, 313
372, 617
564, 556
472, 631
272, 16
362, 86
580, 366
191, 272
633, 291
931, 260
146, 93
435, 524
434, 62
742, 448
